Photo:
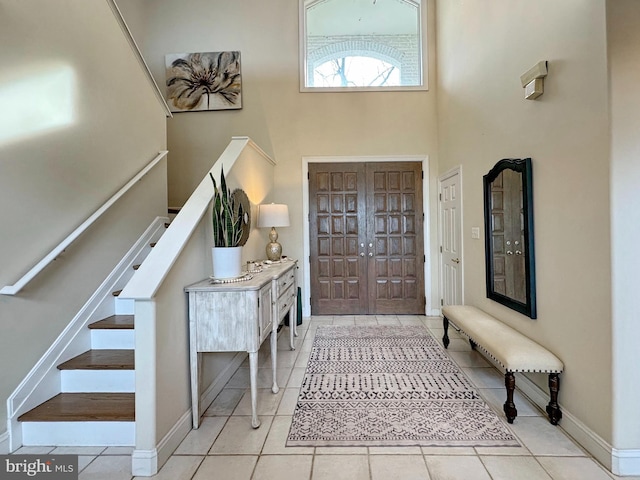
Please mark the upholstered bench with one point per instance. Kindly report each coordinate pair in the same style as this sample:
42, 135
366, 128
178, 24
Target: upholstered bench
513, 351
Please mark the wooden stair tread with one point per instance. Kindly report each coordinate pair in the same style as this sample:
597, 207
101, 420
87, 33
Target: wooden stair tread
84, 407
115, 322
101, 360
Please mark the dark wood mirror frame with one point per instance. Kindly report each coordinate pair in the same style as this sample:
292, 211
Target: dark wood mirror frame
507, 264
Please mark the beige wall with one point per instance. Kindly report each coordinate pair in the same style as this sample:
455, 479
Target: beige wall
287, 124
483, 48
50, 182
623, 18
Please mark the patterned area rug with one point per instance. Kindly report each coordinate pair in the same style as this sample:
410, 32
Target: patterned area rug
389, 386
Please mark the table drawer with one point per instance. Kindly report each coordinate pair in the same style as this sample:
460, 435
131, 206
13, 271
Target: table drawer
285, 302
284, 282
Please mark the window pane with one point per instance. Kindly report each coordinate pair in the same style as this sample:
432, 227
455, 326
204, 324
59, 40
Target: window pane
362, 43
356, 72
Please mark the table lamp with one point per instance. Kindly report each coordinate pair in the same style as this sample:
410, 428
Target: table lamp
273, 215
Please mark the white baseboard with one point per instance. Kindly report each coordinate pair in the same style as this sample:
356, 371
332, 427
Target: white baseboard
619, 462
146, 463
626, 462
212, 391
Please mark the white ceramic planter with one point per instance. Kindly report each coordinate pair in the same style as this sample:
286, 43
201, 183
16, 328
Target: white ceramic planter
227, 262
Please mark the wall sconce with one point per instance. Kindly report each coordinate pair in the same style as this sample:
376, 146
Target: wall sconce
533, 80
273, 215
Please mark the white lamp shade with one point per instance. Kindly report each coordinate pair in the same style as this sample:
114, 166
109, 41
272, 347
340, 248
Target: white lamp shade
273, 215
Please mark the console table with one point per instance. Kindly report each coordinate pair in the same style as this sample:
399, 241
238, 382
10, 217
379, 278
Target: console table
239, 316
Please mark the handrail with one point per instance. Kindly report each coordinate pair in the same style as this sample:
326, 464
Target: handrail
53, 254
136, 50
149, 277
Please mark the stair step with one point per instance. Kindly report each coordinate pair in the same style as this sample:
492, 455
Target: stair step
114, 322
84, 407
101, 360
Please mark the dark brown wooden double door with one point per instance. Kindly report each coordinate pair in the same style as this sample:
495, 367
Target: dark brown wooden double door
366, 238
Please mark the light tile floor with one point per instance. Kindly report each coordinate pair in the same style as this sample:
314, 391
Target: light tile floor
226, 447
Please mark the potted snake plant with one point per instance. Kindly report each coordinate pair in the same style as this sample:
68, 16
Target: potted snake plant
230, 230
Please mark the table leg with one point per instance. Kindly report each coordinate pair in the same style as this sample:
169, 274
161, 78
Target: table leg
195, 387
274, 358
292, 326
253, 375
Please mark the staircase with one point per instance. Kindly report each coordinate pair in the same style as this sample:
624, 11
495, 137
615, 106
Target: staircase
96, 403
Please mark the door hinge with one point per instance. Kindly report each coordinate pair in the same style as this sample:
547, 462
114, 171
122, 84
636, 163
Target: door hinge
308, 176
441, 302
422, 174
424, 259
440, 196
440, 248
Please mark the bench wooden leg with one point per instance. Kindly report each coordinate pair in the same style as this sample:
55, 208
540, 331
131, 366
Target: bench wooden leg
553, 409
510, 407
445, 338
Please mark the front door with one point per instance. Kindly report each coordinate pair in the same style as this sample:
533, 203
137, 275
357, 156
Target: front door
366, 238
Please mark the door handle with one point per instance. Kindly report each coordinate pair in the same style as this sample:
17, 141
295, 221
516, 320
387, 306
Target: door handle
456, 260
362, 254
371, 254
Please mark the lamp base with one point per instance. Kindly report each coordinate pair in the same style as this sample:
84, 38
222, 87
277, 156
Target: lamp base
274, 251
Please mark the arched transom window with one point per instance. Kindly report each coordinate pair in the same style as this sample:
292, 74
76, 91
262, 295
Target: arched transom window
362, 44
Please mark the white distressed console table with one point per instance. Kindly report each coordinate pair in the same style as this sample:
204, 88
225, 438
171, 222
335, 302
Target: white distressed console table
236, 317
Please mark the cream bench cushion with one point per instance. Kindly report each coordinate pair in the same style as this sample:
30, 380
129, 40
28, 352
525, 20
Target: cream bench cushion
509, 348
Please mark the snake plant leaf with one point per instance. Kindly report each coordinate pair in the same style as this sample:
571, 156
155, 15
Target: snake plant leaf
227, 221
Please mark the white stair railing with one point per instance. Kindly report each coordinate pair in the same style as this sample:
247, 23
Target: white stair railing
136, 51
53, 254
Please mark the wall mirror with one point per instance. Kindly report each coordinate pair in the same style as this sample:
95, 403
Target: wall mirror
508, 227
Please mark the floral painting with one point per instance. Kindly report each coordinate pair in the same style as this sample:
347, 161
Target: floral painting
204, 81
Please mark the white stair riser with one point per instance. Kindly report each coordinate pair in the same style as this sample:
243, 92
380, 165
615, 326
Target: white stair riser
86, 381
78, 433
124, 306
113, 339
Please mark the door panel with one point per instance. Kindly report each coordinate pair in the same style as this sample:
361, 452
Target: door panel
366, 234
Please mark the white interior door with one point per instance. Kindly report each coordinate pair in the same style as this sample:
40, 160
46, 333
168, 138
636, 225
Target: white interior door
451, 238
